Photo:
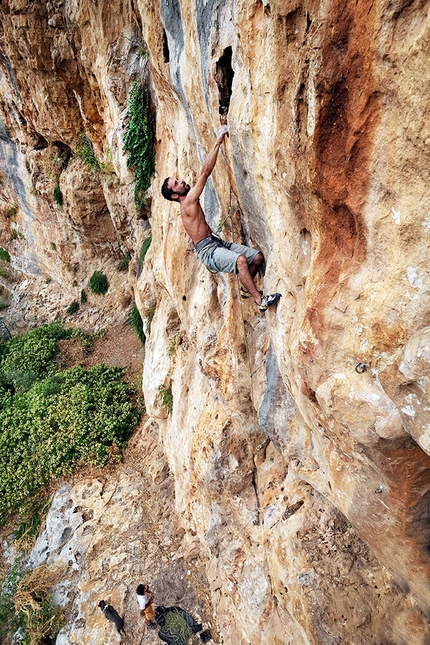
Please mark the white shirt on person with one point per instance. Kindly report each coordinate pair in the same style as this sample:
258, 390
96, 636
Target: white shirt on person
143, 600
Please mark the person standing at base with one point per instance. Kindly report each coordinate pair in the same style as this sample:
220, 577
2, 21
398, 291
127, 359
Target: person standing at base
145, 598
216, 254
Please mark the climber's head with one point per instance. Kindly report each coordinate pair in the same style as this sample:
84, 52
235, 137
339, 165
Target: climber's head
173, 188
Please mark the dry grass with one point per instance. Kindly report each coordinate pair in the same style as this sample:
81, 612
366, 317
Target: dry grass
32, 600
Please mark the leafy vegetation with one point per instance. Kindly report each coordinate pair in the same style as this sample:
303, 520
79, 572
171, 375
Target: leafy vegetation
9, 622
135, 320
139, 141
145, 247
124, 262
58, 196
85, 151
15, 235
31, 521
73, 307
11, 211
166, 397
4, 255
171, 348
99, 283
83, 296
143, 251
50, 421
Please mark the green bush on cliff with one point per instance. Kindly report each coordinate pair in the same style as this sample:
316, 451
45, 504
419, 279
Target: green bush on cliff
9, 621
166, 398
52, 421
72, 308
85, 151
135, 320
99, 283
4, 255
143, 251
58, 196
139, 141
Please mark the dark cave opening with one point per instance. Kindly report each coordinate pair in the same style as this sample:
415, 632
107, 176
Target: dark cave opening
166, 52
224, 74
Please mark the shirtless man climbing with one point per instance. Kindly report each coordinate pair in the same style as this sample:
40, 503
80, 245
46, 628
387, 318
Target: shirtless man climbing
216, 254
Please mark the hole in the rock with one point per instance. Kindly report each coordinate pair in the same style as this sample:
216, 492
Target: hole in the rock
64, 152
41, 143
224, 79
166, 52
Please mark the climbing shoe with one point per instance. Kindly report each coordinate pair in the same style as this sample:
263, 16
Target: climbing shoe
244, 294
268, 301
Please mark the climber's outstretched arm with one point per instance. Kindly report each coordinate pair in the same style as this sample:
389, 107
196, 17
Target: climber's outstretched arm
208, 166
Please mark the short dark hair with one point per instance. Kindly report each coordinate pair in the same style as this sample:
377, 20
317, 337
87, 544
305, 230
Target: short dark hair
141, 590
166, 191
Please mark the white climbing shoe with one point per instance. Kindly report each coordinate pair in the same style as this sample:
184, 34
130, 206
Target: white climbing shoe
268, 301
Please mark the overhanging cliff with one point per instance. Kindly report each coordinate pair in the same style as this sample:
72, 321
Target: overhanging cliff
322, 534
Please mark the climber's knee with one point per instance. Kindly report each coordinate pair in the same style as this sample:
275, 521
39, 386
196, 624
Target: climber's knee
259, 259
241, 263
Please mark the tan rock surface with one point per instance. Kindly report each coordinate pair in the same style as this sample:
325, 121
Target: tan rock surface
322, 536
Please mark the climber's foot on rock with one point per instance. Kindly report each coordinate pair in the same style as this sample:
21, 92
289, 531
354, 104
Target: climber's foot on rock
268, 301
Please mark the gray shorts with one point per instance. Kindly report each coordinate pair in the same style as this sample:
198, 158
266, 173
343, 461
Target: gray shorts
224, 256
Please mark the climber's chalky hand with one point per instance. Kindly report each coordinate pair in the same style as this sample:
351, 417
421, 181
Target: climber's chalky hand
222, 131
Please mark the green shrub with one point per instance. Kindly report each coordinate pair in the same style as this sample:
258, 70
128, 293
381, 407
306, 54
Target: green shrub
166, 397
30, 356
9, 622
4, 255
145, 247
124, 262
58, 196
73, 307
85, 152
11, 211
99, 283
139, 141
83, 296
135, 320
143, 251
50, 422
171, 348
107, 165
31, 521
60, 422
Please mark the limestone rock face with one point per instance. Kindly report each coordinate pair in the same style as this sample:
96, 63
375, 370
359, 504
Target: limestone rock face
299, 439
